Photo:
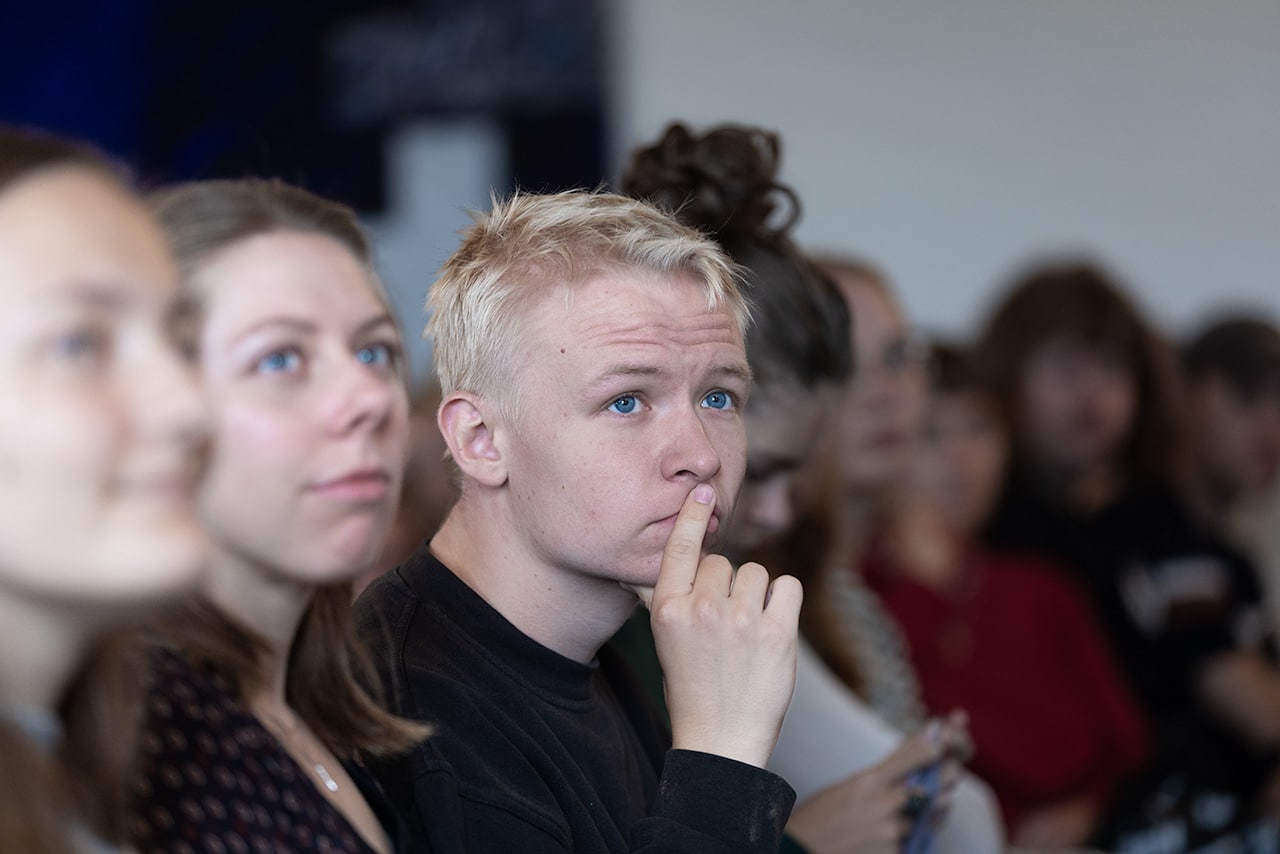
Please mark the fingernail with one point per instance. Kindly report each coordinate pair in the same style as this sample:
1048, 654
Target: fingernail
703, 493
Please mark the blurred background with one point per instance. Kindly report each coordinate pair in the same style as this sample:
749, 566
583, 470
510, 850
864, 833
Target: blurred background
950, 142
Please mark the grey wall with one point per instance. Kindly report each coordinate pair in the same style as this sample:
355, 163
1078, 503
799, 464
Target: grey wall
948, 140
951, 140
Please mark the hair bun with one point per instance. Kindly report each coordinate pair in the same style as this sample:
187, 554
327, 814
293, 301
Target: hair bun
722, 182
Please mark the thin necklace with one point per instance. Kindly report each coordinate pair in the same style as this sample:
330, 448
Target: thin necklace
300, 741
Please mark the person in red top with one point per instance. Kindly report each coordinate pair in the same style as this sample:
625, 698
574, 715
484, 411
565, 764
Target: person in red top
1004, 635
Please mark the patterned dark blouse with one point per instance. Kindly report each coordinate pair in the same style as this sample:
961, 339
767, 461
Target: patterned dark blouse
214, 780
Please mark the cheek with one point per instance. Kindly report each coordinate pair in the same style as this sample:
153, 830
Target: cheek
45, 447
252, 446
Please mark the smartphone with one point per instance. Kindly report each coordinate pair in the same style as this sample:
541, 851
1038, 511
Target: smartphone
922, 787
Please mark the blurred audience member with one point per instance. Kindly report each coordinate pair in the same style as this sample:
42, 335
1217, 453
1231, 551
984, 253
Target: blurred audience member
1000, 634
102, 439
857, 687
1095, 480
849, 488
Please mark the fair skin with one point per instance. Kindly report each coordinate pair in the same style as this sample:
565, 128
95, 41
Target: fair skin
625, 455
784, 422
959, 460
100, 463
1235, 444
300, 362
885, 395
863, 814
1079, 403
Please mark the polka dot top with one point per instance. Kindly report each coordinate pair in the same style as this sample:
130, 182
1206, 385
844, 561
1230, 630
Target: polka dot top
213, 780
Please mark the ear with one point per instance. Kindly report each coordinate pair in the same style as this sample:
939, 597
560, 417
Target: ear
468, 429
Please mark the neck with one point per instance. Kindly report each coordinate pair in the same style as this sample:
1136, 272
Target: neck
265, 601
568, 612
40, 651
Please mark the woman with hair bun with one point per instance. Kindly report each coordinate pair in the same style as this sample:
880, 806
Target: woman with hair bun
725, 182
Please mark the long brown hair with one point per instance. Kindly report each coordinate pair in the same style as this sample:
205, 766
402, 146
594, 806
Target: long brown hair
329, 678
1080, 299
41, 795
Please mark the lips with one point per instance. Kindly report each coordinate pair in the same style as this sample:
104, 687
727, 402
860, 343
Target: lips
713, 524
359, 486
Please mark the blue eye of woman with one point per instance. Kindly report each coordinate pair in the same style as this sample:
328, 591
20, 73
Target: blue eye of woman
82, 344
376, 354
280, 361
624, 405
718, 400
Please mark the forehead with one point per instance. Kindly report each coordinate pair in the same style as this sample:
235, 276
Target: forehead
638, 310
289, 273
70, 227
875, 315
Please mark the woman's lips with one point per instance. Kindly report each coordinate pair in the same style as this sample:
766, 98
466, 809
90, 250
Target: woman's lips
367, 485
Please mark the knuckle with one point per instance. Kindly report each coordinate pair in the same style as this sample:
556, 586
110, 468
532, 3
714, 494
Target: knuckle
706, 611
665, 613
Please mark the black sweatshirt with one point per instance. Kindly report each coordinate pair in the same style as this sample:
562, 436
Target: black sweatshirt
535, 752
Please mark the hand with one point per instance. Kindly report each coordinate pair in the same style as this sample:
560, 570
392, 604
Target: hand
1063, 824
726, 641
952, 736
864, 814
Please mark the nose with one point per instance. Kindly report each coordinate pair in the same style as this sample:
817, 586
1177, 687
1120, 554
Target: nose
362, 397
690, 454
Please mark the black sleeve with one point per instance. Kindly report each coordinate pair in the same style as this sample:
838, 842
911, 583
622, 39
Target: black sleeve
706, 804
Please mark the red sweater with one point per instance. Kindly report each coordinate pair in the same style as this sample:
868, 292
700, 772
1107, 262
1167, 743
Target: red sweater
1019, 648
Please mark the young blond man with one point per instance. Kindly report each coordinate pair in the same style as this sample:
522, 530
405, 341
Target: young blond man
590, 353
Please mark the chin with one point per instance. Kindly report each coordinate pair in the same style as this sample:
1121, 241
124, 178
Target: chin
156, 566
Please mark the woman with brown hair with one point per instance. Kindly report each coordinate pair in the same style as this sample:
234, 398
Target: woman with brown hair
1096, 482
102, 435
256, 715
724, 181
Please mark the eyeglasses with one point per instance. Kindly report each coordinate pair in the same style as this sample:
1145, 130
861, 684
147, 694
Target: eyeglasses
907, 353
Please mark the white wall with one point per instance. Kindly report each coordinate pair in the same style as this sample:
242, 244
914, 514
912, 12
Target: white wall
949, 140
440, 170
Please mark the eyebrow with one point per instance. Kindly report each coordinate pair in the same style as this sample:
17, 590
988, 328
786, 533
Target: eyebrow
306, 327
98, 295
625, 371
738, 371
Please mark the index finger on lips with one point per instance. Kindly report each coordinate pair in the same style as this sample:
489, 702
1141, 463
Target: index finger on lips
683, 552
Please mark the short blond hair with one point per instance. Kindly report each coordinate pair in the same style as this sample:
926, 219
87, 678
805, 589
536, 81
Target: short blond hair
511, 257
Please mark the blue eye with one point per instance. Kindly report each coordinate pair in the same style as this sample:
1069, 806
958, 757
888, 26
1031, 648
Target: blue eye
82, 344
280, 361
718, 400
378, 355
624, 405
